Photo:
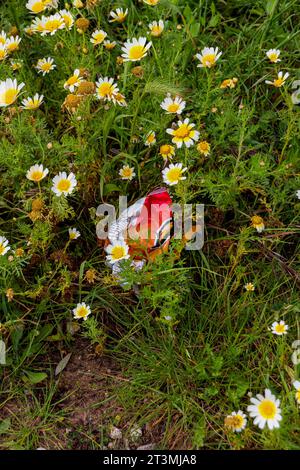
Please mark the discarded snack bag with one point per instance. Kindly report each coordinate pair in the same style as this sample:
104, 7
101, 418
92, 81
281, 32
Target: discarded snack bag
145, 228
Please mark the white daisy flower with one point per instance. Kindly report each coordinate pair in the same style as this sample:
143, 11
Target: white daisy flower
52, 24
37, 26
4, 246
106, 89
135, 49
32, 103
9, 91
3, 51
265, 410
36, 173
173, 174
173, 106
156, 28
273, 55
117, 251
298, 193
119, 15
150, 139
279, 328
208, 57
45, 65
109, 44
36, 6
184, 134
74, 233
12, 43
98, 37
236, 421
67, 17
249, 287
127, 172
279, 81
73, 81
63, 183
82, 310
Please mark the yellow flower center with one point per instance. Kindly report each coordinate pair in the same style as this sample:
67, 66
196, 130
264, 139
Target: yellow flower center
174, 175
208, 60
120, 17
64, 185
12, 46
150, 138
298, 396
37, 7
99, 37
256, 220
136, 52
173, 108
165, 149
234, 422
10, 96
118, 252
2, 54
156, 30
1, 249
280, 328
72, 80
67, 20
52, 25
2, 40
36, 175
81, 311
105, 89
267, 409
46, 66
273, 57
278, 82
127, 172
203, 146
109, 45
182, 132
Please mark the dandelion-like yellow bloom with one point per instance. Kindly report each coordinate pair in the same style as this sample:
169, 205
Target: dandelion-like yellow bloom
167, 151
229, 83
236, 422
184, 133
203, 147
136, 49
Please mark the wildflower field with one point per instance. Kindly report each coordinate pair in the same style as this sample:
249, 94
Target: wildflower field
183, 349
